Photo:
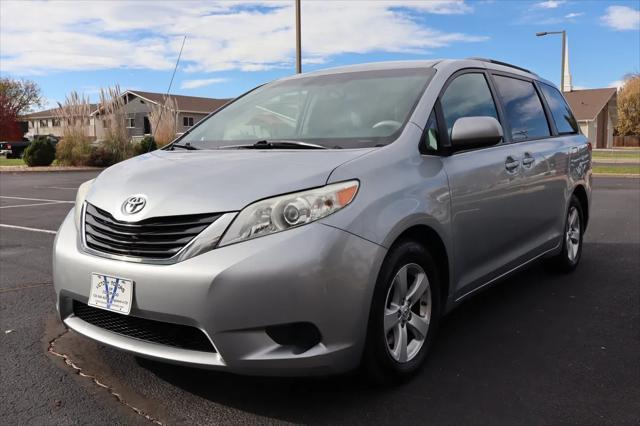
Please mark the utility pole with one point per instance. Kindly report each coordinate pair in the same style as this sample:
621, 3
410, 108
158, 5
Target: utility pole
298, 41
564, 49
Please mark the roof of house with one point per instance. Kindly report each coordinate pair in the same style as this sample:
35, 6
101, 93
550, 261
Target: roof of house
184, 103
51, 113
587, 104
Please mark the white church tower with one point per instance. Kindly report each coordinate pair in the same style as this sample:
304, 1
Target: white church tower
568, 87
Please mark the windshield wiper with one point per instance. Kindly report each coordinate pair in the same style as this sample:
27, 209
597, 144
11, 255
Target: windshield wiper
186, 146
275, 144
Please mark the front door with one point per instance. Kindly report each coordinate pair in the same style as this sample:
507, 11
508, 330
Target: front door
484, 190
147, 126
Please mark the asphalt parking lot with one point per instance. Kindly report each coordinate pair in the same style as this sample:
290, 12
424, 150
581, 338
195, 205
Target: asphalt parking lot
538, 348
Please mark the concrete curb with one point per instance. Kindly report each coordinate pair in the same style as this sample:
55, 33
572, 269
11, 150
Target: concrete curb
25, 169
617, 175
623, 161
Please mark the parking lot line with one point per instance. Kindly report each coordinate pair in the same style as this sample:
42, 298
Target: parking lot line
31, 205
26, 228
37, 199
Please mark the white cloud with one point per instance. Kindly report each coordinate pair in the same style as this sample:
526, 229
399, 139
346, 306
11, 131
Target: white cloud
221, 36
622, 18
194, 84
549, 4
573, 15
617, 84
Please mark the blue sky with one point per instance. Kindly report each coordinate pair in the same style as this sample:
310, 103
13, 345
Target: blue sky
232, 46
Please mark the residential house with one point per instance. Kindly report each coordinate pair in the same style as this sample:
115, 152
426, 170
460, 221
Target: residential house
596, 112
47, 123
138, 106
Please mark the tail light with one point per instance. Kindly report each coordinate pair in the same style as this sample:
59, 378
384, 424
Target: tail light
589, 146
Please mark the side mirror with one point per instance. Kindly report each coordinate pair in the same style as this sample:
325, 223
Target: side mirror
473, 132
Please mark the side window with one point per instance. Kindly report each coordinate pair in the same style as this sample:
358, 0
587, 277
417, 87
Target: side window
467, 96
431, 134
562, 116
523, 107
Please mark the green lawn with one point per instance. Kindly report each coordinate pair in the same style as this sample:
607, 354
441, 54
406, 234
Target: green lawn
601, 155
622, 170
4, 161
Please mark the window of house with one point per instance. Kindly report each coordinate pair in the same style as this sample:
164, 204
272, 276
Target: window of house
187, 121
523, 108
55, 122
562, 115
131, 122
467, 96
44, 123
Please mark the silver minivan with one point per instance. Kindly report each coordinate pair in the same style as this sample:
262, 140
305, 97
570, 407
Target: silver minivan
328, 220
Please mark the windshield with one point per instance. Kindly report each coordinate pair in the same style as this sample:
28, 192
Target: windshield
346, 110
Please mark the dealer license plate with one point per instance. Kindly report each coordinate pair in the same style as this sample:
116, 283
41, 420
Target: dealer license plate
111, 293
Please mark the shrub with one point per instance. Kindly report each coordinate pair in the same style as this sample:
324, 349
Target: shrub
119, 150
101, 156
75, 147
147, 144
74, 151
40, 152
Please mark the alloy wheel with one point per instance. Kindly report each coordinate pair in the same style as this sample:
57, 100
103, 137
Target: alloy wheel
407, 313
572, 237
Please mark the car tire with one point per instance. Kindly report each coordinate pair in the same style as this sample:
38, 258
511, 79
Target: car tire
567, 260
396, 320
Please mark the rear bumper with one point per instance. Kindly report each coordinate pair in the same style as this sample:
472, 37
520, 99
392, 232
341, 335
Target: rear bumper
313, 274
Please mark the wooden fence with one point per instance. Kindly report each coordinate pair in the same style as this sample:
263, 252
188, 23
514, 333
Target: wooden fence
622, 141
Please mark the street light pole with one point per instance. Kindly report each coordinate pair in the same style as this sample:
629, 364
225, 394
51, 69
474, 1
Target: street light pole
298, 41
564, 48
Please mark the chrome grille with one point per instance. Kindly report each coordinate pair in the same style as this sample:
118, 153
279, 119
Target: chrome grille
153, 238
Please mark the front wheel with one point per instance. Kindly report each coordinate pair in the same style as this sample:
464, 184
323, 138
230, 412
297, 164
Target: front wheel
404, 313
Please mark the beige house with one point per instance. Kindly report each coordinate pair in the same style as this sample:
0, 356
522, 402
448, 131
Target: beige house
596, 112
47, 123
138, 106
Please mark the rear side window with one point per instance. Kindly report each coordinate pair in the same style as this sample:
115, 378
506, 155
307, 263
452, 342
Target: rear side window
523, 107
467, 96
562, 116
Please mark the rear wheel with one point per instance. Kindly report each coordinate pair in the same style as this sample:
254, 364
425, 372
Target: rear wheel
404, 313
567, 260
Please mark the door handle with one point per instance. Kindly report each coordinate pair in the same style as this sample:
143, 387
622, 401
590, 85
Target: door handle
528, 160
511, 164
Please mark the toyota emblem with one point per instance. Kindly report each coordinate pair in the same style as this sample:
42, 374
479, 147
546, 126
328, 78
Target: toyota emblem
134, 204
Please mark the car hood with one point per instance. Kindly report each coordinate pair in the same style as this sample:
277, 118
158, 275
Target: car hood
192, 182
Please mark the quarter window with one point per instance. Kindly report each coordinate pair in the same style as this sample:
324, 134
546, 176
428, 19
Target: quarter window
562, 116
523, 107
467, 96
431, 134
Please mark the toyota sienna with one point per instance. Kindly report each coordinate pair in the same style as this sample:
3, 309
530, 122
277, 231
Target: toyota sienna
327, 220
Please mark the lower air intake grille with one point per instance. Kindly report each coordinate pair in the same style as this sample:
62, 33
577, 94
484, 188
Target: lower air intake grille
176, 335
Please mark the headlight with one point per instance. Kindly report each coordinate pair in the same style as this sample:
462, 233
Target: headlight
289, 211
83, 190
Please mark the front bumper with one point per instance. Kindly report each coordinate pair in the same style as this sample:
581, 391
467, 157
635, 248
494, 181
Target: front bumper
313, 274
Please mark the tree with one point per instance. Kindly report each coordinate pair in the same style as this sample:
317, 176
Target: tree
629, 107
16, 98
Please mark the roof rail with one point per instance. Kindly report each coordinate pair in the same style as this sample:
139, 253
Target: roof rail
506, 64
